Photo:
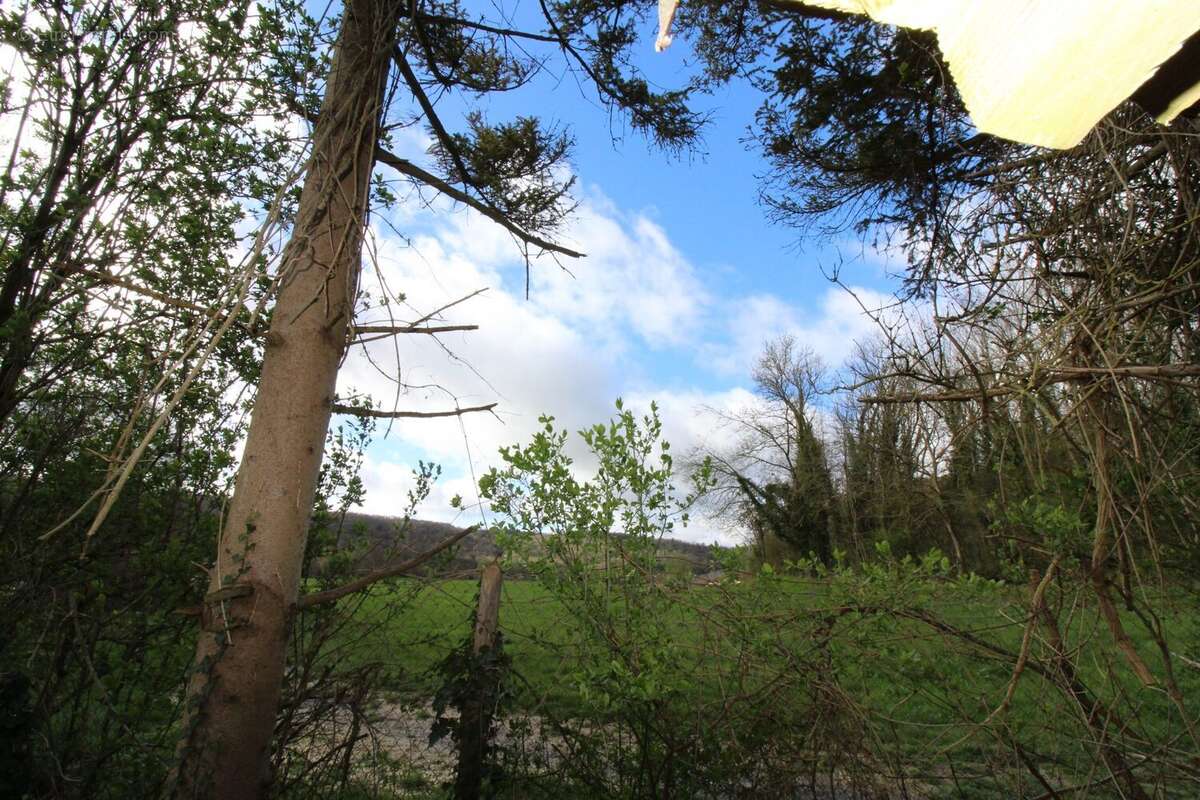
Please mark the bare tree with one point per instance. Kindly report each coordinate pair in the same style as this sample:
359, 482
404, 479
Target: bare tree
776, 479
1065, 322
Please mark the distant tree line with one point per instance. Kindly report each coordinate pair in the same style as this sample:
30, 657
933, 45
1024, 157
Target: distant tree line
1036, 394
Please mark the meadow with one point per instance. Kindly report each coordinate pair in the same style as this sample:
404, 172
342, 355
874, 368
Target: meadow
927, 686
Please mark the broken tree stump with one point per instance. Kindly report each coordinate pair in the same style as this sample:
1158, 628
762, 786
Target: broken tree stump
476, 721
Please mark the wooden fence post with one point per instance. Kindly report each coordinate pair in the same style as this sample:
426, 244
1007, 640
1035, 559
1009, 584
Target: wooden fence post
487, 616
476, 718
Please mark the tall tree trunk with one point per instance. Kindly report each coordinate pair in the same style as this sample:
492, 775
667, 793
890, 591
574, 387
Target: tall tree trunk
234, 691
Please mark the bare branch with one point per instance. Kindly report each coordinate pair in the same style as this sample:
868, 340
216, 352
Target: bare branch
115, 280
1058, 375
357, 585
449, 305
382, 331
338, 408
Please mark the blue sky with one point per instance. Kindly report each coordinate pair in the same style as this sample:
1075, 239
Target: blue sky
684, 281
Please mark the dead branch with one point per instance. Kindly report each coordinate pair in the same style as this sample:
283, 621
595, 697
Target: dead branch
338, 408
122, 283
1057, 375
377, 332
357, 585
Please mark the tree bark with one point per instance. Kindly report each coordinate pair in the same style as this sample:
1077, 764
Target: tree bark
234, 691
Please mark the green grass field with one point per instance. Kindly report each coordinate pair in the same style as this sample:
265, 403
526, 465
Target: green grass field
411, 626
923, 690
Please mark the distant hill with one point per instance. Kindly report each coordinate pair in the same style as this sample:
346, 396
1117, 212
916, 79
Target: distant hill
379, 541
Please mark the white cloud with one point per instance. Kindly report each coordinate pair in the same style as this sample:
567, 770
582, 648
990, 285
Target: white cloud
632, 281
389, 482
842, 318
577, 343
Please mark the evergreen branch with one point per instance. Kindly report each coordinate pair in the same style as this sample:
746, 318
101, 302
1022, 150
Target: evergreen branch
406, 167
793, 9
435, 122
481, 26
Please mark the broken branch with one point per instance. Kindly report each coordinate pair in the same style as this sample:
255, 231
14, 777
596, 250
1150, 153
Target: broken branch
338, 408
377, 332
331, 595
